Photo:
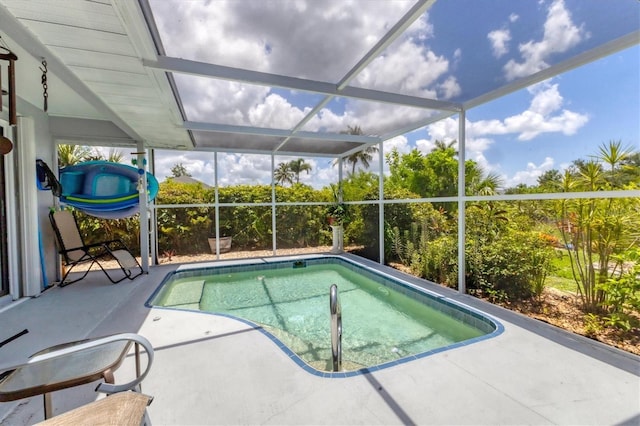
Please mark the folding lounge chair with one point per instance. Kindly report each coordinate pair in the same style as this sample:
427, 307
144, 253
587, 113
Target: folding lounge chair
75, 252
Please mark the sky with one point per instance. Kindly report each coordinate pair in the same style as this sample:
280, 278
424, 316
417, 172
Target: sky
456, 51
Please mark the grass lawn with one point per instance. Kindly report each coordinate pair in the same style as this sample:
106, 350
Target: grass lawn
561, 278
563, 284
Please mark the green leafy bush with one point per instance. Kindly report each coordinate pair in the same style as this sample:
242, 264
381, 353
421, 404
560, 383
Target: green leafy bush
512, 266
623, 293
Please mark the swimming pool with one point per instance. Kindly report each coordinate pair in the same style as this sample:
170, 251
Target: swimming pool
385, 320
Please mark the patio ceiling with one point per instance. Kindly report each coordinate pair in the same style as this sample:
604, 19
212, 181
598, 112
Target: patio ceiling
291, 76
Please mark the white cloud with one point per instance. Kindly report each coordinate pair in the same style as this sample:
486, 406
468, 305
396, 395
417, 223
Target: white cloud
198, 164
544, 115
244, 169
317, 40
276, 112
530, 175
560, 35
300, 41
499, 42
478, 145
410, 67
425, 145
449, 88
373, 118
406, 68
444, 130
547, 98
400, 143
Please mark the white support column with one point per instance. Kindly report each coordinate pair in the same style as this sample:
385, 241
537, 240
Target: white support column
216, 203
462, 285
11, 208
381, 202
141, 161
273, 206
28, 208
153, 231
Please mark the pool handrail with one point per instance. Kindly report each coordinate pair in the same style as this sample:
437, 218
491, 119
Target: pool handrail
336, 327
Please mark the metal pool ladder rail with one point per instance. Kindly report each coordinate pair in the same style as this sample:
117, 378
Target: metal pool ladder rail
336, 327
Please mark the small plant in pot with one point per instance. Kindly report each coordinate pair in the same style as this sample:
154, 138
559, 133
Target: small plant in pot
225, 239
337, 213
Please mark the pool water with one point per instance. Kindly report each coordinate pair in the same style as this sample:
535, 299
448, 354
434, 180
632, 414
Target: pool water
380, 325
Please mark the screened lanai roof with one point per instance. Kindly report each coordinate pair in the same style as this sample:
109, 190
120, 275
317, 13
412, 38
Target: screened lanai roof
294, 76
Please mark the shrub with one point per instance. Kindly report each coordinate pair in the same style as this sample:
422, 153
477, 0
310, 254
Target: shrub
515, 265
622, 293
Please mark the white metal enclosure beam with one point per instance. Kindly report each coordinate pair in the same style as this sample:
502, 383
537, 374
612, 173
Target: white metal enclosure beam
203, 69
594, 54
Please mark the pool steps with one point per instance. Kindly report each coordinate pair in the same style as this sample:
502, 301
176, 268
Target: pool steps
186, 295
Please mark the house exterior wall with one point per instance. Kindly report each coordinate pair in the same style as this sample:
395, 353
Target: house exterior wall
33, 262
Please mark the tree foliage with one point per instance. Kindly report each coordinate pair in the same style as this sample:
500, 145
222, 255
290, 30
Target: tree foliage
508, 247
364, 156
179, 170
298, 166
283, 174
596, 232
69, 155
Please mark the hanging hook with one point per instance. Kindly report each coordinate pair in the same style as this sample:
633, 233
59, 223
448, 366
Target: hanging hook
45, 86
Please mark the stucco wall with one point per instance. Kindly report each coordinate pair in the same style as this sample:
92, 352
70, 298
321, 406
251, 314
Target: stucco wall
45, 151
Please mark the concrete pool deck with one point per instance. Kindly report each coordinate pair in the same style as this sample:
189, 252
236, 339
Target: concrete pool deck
215, 370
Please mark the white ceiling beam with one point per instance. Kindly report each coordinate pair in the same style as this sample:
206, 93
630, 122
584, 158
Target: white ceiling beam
341, 137
357, 149
262, 131
186, 66
397, 98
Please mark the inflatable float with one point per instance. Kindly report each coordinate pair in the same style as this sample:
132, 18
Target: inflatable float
104, 189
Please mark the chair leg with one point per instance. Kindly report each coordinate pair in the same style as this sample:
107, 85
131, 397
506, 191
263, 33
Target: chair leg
64, 282
126, 273
48, 408
126, 262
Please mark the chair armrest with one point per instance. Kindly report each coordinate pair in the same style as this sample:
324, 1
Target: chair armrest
105, 387
139, 340
45, 362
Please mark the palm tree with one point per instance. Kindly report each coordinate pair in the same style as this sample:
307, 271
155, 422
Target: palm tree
486, 184
114, 156
614, 154
298, 166
68, 155
283, 174
443, 146
364, 156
